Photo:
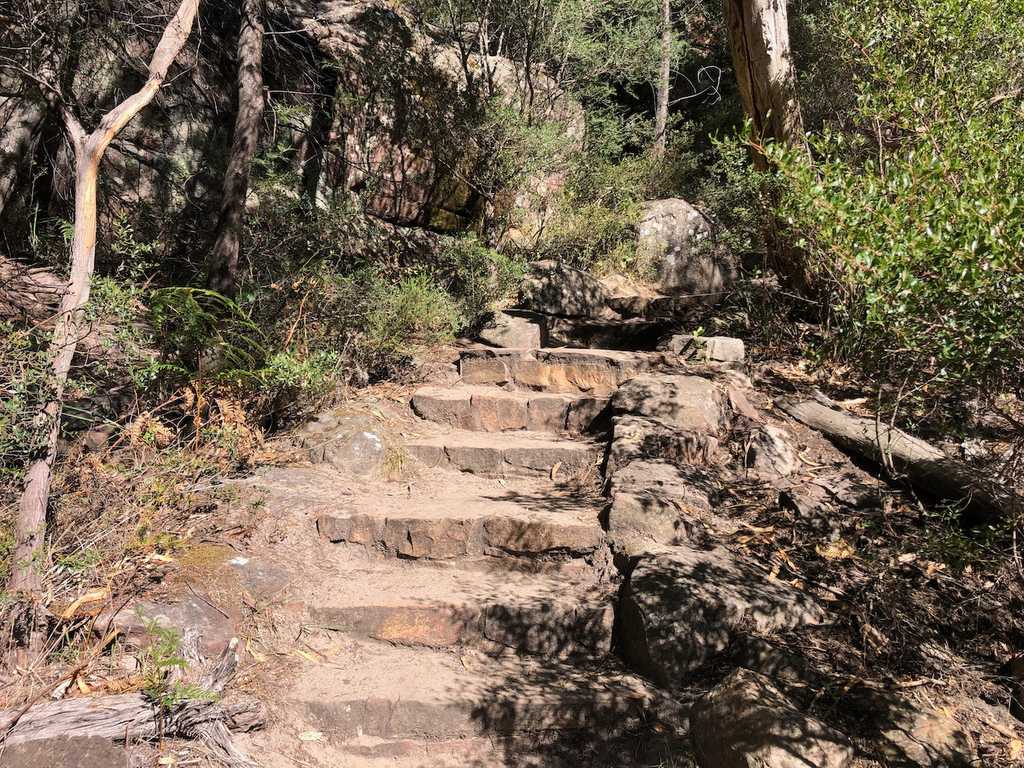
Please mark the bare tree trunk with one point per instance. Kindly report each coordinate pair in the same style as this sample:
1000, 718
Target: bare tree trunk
759, 38
228, 243
664, 78
30, 527
20, 122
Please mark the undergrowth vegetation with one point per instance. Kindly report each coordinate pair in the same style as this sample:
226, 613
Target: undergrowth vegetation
909, 206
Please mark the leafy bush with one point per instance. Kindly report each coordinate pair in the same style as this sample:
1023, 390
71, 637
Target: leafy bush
476, 276
911, 209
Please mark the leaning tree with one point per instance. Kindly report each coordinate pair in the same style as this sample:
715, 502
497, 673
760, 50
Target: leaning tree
27, 29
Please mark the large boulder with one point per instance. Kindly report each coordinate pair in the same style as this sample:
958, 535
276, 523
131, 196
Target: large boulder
552, 288
676, 238
690, 403
746, 722
680, 607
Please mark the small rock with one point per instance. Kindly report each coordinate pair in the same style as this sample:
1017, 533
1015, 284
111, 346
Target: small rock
682, 606
65, 752
746, 722
713, 349
350, 444
686, 402
554, 289
512, 331
771, 450
98, 438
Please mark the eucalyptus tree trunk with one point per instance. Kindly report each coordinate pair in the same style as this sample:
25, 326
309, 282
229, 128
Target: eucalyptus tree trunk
30, 526
228, 243
664, 79
759, 38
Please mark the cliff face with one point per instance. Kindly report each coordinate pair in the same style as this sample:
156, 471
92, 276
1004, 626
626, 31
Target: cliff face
363, 105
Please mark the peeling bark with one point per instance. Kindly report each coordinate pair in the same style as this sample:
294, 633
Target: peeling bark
759, 39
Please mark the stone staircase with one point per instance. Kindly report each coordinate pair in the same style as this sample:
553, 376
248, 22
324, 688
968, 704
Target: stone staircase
465, 616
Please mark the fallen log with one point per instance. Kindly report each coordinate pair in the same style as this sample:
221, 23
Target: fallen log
132, 717
127, 717
924, 466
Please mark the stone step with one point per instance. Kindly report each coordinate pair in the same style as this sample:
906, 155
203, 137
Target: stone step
375, 690
488, 409
632, 334
440, 607
597, 372
464, 518
506, 454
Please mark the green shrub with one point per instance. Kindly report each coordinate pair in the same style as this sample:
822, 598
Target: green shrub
593, 222
911, 210
414, 312
476, 276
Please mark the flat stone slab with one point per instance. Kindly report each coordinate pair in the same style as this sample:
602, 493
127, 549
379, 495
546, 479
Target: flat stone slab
488, 409
65, 752
635, 438
682, 606
393, 693
654, 502
595, 371
633, 334
468, 521
215, 626
501, 455
452, 607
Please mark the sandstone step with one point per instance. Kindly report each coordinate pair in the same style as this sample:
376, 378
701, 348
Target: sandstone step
506, 454
466, 518
488, 409
374, 690
632, 334
439, 607
597, 372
